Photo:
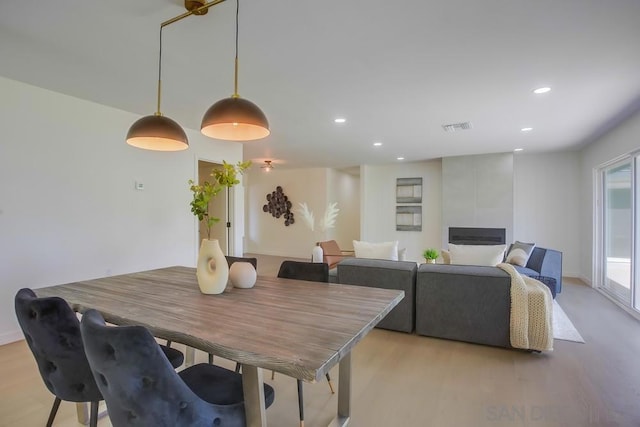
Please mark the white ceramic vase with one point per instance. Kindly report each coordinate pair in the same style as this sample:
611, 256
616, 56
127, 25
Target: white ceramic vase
242, 275
213, 270
316, 254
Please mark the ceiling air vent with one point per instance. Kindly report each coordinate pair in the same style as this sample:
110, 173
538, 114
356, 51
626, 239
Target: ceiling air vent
457, 126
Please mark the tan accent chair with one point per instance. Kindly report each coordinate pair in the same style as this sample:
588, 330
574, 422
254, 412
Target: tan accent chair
332, 254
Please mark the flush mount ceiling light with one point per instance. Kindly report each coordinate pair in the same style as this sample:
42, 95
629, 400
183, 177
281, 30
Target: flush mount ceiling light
541, 90
233, 119
268, 167
526, 129
517, 150
400, 158
377, 144
340, 120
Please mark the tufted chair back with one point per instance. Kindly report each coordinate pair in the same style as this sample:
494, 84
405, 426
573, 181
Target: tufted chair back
311, 271
139, 384
52, 331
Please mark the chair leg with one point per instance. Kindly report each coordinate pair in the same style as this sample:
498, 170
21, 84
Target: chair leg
238, 367
168, 343
273, 375
300, 403
210, 359
93, 418
54, 411
330, 383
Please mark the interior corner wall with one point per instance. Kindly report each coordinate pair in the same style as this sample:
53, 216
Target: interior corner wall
267, 235
69, 209
547, 204
378, 205
477, 191
344, 188
623, 139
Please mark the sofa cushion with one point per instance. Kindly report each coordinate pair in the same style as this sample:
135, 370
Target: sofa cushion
384, 250
526, 271
483, 255
519, 253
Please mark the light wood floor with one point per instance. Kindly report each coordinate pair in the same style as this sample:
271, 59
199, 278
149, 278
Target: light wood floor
412, 381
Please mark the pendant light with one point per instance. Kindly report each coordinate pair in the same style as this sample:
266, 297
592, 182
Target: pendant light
235, 118
157, 132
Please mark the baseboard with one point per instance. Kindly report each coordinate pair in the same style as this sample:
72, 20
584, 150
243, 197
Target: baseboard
9, 337
587, 281
579, 277
633, 313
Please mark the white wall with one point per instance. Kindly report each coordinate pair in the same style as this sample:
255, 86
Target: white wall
477, 191
546, 204
622, 140
344, 189
316, 187
68, 207
378, 205
265, 234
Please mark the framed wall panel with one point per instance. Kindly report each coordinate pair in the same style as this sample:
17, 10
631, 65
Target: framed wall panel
408, 218
409, 190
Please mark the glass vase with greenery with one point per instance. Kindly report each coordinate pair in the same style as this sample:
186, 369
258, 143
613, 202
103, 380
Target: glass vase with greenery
223, 177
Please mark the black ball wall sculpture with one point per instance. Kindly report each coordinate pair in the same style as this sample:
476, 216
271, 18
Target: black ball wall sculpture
278, 205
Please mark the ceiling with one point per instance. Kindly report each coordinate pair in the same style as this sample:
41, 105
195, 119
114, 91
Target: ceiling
397, 71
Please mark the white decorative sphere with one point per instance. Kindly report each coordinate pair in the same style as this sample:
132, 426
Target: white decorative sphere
242, 275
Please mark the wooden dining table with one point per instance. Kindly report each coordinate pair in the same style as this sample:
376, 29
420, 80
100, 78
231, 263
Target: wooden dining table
298, 328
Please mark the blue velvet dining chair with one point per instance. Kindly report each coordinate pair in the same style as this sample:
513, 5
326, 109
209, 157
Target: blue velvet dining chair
52, 332
141, 389
312, 272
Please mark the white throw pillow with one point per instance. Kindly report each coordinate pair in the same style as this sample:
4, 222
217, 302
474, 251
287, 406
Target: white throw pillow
491, 255
385, 250
446, 256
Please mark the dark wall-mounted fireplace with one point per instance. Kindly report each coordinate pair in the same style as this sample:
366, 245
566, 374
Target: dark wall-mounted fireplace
477, 236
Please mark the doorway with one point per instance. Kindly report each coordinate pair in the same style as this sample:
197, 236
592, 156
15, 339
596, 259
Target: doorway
217, 208
618, 245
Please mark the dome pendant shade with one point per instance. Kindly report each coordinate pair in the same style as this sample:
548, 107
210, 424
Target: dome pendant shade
157, 133
235, 119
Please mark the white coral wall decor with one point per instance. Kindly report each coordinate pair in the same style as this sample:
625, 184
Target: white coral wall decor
326, 222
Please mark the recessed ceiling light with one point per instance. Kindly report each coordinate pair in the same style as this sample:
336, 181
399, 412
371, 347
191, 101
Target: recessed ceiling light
541, 90
340, 120
518, 149
400, 158
377, 144
526, 129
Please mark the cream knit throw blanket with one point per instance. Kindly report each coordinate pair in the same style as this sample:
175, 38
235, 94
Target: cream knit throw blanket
531, 325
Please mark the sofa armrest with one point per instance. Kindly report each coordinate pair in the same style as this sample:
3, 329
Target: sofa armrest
547, 262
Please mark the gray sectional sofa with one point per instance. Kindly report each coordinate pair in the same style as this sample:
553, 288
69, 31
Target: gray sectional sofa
463, 303
378, 273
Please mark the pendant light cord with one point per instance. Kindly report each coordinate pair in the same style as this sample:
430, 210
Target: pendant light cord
235, 82
158, 113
